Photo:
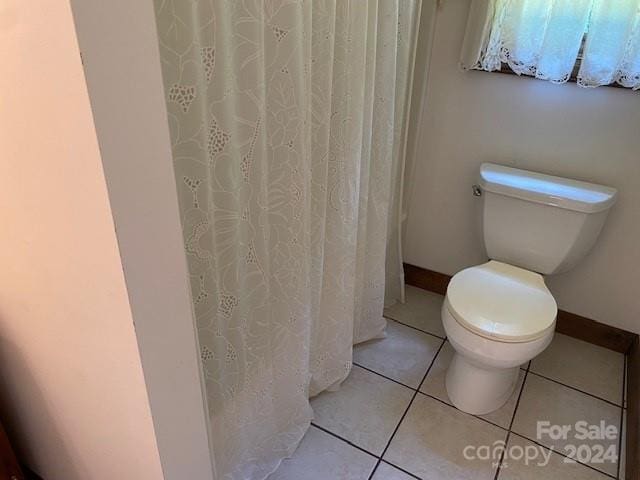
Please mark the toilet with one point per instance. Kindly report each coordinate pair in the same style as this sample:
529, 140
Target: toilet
499, 315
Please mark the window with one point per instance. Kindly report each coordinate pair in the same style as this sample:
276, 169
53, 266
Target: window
595, 42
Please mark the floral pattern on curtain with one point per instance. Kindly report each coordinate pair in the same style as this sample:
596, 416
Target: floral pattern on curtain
286, 118
543, 38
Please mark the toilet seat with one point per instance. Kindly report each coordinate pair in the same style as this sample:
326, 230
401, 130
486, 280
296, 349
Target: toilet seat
502, 302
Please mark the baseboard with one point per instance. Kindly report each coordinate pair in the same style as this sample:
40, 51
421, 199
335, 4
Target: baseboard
633, 413
426, 279
594, 332
582, 328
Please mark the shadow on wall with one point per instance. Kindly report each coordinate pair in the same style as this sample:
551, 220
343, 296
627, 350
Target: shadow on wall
14, 411
29, 475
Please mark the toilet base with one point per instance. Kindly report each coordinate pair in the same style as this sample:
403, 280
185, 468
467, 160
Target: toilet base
479, 390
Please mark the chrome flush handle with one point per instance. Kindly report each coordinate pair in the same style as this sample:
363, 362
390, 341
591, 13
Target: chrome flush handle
477, 190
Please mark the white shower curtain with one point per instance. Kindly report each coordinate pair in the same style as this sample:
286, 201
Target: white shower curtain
287, 122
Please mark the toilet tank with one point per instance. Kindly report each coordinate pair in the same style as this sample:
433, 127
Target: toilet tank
543, 223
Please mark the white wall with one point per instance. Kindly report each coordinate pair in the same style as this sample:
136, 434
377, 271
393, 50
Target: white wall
474, 117
72, 389
119, 45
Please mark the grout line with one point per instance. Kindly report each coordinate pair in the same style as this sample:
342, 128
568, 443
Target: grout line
506, 443
345, 441
509, 430
429, 395
540, 444
383, 376
335, 435
433, 361
563, 455
524, 381
624, 389
401, 469
414, 328
576, 389
513, 417
375, 469
415, 393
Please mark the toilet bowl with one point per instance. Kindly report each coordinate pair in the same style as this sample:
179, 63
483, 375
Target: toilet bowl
497, 317
500, 315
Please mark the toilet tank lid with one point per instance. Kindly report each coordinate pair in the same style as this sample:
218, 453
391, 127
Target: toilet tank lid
546, 189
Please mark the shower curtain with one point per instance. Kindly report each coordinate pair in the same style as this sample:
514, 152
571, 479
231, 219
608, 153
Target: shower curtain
287, 123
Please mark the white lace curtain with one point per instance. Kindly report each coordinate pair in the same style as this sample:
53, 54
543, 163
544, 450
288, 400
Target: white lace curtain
287, 124
543, 38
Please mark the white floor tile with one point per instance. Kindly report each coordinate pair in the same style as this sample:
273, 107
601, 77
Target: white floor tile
404, 355
387, 472
431, 441
590, 368
545, 401
541, 464
364, 411
321, 456
421, 310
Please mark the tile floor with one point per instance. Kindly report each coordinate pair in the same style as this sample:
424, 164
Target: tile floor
392, 419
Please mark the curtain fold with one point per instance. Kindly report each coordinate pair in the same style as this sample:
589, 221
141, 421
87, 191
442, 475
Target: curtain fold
544, 38
612, 49
286, 119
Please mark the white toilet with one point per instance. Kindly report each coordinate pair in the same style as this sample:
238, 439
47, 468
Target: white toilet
500, 315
